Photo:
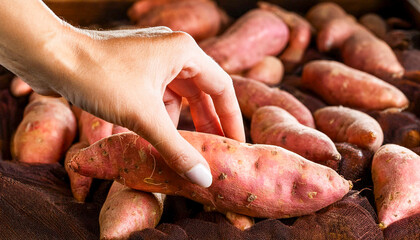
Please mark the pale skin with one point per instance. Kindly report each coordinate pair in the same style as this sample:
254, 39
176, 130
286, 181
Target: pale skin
134, 78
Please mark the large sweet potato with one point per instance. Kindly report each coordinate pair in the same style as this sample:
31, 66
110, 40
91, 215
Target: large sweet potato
339, 84
79, 184
365, 52
201, 19
343, 124
396, 182
254, 180
257, 34
300, 35
126, 210
46, 131
252, 95
275, 126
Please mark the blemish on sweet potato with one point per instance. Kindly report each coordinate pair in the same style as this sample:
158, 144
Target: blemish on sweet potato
251, 197
222, 176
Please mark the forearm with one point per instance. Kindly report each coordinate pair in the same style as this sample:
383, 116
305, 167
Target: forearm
33, 39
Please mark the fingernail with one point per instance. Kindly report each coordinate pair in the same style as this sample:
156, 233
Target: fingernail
200, 175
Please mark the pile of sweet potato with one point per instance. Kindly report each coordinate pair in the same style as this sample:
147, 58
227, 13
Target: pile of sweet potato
329, 102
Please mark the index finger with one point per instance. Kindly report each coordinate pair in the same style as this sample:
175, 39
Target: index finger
213, 80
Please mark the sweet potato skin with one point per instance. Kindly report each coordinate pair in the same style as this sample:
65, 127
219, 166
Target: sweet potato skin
275, 126
396, 183
367, 53
335, 32
269, 71
344, 124
300, 35
126, 210
252, 95
46, 131
240, 221
339, 84
79, 184
201, 19
322, 13
93, 128
257, 34
19, 88
375, 24
239, 171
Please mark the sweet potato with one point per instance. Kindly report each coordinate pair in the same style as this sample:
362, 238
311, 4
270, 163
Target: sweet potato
367, 53
142, 7
19, 88
79, 184
275, 126
322, 13
252, 95
269, 71
335, 32
240, 221
396, 183
201, 19
243, 180
374, 23
300, 35
126, 210
46, 131
339, 84
344, 124
256, 34
93, 128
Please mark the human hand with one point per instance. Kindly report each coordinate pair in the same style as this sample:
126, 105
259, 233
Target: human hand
136, 78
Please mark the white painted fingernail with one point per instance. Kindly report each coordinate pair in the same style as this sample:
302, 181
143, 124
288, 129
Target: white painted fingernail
200, 175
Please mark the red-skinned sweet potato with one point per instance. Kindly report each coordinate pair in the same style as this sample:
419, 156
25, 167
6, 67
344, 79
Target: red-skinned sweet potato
252, 95
374, 23
257, 34
300, 35
240, 221
126, 210
142, 7
367, 53
19, 88
242, 173
335, 32
79, 184
269, 71
339, 84
322, 13
201, 19
46, 131
396, 183
275, 126
344, 124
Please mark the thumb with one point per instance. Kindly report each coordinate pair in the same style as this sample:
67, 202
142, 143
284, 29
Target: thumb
180, 155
